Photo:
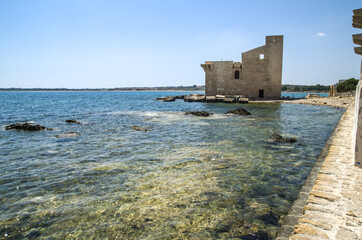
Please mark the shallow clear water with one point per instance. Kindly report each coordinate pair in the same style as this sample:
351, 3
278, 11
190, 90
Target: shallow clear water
189, 177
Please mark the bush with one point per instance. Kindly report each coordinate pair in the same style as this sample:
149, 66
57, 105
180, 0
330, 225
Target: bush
348, 85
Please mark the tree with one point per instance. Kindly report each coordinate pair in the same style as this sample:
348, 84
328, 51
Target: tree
348, 85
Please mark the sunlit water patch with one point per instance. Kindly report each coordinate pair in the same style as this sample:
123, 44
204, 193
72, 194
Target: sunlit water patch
187, 178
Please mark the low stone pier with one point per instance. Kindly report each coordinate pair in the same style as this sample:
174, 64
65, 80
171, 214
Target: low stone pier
329, 206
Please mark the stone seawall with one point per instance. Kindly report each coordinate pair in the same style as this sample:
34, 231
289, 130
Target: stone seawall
329, 206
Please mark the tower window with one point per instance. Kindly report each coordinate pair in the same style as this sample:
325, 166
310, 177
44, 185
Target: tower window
237, 75
261, 56
261, 93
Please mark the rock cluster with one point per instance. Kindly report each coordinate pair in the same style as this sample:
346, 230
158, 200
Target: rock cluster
203, 98
198, 113
140, 128
166, 99
170, 98
72, 121
239, 111
278, 138
26, 127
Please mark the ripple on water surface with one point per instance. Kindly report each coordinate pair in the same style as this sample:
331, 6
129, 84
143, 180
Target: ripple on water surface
189, 177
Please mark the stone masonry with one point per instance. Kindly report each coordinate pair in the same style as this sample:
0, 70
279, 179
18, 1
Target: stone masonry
258, 76
333, 208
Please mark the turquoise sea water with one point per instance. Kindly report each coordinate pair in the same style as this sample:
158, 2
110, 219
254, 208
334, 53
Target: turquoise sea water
187, 178
301, 94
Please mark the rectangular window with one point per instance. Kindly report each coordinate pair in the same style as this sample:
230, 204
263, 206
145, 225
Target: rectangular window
261, 56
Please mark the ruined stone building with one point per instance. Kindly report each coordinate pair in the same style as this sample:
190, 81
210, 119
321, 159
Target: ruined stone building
257, 76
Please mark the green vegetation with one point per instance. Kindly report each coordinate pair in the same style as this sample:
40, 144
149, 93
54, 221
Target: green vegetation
348, 85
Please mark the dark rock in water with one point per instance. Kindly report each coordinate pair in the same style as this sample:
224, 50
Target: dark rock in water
166, 99
140, 128
26, 127
72, 121
239, 111
180, 97
259, 235
278, 138
198, 113
270, 218
68, 135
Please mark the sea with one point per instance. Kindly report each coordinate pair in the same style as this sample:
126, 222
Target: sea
188, 177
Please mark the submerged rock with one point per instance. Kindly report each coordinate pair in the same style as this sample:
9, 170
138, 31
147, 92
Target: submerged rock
198, 113
140, 128
239, 111
278, 138
270, 218
26, 127
259, 235
72, 121
68, 135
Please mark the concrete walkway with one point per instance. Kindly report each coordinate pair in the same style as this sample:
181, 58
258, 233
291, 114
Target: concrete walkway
333, 207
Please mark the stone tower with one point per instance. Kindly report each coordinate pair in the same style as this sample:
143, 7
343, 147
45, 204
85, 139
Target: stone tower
257, 76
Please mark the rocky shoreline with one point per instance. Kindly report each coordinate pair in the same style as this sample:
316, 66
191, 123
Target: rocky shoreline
203, 98
336, 102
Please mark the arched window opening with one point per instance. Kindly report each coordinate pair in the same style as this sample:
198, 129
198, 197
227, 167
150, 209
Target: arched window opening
237, 75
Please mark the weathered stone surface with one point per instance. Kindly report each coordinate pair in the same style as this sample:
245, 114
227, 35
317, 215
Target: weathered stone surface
324, 195
323, 188
68, 135
344, 234
243, 100
198, 113
229, 100
318, 224
195, 98
309, 230
239, 111
333, 207
26, 127
257, 76
210, 99
278, 138
140, 128
328, 178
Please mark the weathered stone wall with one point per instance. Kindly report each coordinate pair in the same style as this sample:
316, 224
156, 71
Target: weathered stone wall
260, 70
357, 127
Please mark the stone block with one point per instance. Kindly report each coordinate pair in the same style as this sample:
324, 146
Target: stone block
310, 231
328, 196
317, 224
328, 178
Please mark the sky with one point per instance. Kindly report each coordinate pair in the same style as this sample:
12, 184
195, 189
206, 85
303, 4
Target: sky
140, 43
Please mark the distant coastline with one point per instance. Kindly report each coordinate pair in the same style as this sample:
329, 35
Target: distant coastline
285, 88
180, 88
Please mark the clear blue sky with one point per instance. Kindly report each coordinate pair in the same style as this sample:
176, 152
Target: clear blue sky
106, 44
